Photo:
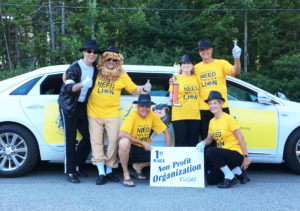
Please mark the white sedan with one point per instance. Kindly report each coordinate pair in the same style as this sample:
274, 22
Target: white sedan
31, 129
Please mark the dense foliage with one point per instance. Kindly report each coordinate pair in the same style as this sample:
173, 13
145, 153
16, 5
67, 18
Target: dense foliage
44, 35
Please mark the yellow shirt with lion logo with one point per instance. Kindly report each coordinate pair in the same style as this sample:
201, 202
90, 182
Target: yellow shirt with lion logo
188, 97
140, 128
212, 77
222, 132
104, 101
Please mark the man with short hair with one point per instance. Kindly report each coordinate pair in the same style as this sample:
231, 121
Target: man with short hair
79, 80
211, 74
135, 144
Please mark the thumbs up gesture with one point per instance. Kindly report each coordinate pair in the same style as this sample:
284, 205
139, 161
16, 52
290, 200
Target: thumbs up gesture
87, 83
236, 51
147, 86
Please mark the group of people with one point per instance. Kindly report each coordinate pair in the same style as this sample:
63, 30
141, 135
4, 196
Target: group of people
89, 101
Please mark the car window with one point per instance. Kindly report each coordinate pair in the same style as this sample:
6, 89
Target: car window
159, 82
51, 85
236, 92
26, 87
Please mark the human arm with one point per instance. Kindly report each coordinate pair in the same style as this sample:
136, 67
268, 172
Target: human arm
133, 88
167, 137
124, 134
171, 80
208, 139
71, 76
145, 89
170, 97
236, 69
246, 162
86, 83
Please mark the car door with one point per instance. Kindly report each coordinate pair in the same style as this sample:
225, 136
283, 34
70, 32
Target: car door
258, 122
41, 107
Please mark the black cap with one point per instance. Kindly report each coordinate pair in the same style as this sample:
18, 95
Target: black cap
204, 43
214, 95
186, 59
144, 100
91, 44
112, 49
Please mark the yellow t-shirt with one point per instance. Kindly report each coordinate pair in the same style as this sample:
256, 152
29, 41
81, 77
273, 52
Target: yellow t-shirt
140, 128
188, 96
212, 77
104, 101
222, 132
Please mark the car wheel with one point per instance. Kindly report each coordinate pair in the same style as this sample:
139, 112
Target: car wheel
18, 151
292, 152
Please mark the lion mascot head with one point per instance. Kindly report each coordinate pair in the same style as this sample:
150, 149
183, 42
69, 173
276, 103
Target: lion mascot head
110, 75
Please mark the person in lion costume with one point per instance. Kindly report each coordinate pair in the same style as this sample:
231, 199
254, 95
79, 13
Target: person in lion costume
103, 110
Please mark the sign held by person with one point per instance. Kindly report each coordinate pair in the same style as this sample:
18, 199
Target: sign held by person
177, 167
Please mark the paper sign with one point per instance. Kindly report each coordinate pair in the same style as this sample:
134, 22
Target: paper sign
177, 167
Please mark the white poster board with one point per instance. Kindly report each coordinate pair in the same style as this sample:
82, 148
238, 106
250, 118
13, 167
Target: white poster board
177, 167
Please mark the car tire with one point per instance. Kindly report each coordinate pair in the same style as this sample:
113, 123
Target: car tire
18, 151
292, 159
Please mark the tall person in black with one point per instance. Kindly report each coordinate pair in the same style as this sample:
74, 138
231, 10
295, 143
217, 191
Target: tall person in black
79, 80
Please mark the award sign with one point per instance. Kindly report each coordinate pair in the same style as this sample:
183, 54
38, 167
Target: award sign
177, 167
175, 89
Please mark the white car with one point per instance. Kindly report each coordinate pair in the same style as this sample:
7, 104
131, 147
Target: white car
31, 129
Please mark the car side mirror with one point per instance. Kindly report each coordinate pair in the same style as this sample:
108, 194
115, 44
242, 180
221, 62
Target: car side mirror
263, 99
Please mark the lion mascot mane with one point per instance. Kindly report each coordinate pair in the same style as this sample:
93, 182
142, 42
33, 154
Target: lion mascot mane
107, 74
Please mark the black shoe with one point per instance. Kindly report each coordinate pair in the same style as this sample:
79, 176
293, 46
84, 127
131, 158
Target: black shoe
227, 183
100, 180
72, 178
80, 173
112, 177
243, 178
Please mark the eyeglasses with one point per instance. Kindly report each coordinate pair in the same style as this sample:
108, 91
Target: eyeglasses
114, 60
89, 51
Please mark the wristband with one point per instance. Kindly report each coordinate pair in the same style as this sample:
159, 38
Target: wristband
245, 156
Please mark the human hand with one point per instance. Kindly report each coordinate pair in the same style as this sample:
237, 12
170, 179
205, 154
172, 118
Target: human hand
171, 81
147, 86
149, 141
87, 83
236, 51
146, 146
246, 163
200, 146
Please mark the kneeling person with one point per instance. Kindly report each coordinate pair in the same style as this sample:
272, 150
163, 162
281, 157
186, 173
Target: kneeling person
135, 144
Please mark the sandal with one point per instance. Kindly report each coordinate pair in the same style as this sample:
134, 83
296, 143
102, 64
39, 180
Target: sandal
135, 175
128, 183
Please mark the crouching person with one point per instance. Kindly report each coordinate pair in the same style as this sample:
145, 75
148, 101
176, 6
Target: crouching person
135, 144
224, 163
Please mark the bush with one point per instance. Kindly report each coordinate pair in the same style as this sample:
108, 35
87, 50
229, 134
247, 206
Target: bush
9, 74
284, 76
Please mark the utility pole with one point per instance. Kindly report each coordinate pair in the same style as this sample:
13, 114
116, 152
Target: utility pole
52, 39
245, 40
5, 40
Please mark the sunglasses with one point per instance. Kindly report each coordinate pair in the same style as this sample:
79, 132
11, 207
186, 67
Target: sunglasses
91, 51
114, 60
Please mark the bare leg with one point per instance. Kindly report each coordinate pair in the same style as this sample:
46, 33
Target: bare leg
138, 167
124, 149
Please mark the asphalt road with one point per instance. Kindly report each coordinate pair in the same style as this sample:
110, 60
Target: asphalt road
272, 187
